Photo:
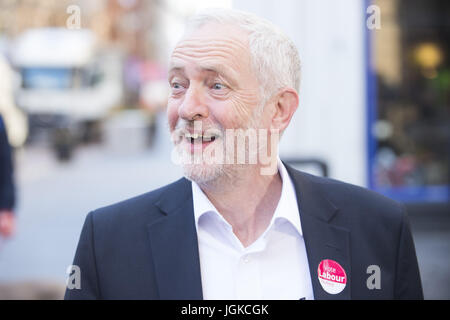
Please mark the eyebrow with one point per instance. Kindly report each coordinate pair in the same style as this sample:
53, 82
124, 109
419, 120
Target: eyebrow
176, 70
215, 69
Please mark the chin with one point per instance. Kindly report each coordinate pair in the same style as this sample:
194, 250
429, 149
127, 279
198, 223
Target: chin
199, 169
203, 173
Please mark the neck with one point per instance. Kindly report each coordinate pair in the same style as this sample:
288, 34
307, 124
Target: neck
247, 200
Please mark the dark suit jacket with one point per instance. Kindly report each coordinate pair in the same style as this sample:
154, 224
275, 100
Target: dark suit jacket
146, 247
7, 194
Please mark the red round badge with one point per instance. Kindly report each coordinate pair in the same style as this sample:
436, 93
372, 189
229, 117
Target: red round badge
332, 276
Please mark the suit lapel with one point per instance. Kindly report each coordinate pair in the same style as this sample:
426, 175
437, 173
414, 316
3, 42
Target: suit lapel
174, 245
323, 239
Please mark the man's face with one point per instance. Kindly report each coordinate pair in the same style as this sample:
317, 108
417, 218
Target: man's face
211, 82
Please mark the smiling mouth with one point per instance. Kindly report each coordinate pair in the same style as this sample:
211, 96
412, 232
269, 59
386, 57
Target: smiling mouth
200, 138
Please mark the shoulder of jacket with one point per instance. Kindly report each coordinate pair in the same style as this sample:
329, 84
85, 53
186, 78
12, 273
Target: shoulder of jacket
143, 204
353, 198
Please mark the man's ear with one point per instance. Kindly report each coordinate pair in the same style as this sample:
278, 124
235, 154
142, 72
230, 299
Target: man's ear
285, 104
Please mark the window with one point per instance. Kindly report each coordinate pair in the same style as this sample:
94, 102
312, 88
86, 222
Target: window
409, 100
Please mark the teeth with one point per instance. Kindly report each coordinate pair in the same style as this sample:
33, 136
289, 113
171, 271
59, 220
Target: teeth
192, 136
196, 136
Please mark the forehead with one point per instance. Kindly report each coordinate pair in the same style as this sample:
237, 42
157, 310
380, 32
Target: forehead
213, 45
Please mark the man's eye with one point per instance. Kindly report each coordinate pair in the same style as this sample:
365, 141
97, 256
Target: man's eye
218, 86
177, 88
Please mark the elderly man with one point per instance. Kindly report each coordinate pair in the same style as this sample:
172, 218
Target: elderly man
242, 224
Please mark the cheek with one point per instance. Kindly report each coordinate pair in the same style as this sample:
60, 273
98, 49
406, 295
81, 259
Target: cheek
172, 115
244, 106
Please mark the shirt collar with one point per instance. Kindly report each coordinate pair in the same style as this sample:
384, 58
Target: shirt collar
202, 205
287, 208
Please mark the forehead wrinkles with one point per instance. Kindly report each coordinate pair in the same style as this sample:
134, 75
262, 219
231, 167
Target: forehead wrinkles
230, 50
204, 44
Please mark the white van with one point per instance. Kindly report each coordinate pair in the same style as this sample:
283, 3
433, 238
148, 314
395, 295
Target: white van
67, 85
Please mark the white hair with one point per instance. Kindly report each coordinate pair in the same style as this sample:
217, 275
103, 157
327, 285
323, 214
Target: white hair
275, 58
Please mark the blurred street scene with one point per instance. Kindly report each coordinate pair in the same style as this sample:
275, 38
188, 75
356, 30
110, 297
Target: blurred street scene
83, 91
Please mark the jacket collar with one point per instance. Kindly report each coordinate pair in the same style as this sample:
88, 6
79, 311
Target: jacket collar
173, 240
324, 238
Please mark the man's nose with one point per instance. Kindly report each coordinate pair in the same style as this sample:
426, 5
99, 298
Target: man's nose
193, 106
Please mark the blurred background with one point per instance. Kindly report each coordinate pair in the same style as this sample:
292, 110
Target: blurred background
83, 92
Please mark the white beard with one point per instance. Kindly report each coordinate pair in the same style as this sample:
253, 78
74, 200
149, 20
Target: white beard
203, 169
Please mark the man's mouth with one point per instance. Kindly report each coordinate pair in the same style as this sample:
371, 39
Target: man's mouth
200, 138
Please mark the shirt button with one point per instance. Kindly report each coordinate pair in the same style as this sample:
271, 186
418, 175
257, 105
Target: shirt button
246, 259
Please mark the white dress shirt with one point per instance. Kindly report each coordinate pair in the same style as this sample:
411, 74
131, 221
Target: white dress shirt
275, 266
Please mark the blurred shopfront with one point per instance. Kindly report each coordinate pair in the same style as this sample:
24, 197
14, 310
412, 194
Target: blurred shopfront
409, 101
